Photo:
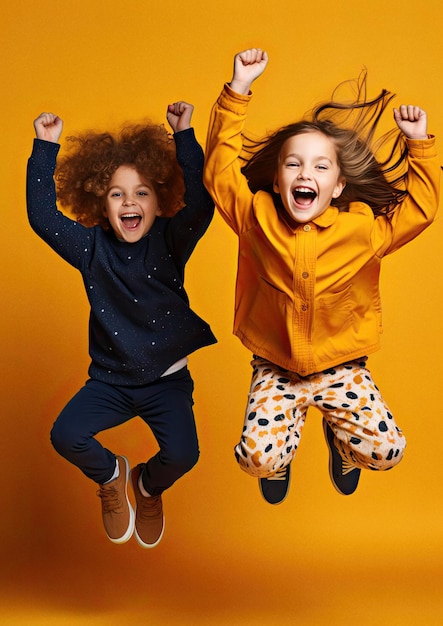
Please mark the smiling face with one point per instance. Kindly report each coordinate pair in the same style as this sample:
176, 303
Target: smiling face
131, 204
308, 175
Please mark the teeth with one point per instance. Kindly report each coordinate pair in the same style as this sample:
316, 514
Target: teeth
304, 190
130, 215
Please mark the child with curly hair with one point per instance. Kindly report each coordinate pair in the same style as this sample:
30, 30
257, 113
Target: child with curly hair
140, 208
315, 213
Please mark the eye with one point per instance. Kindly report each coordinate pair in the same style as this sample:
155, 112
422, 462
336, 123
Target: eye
142, 193
292, 164
115, 194
322, 167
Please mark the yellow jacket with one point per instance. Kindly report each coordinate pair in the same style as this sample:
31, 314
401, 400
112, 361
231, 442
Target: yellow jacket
307, 298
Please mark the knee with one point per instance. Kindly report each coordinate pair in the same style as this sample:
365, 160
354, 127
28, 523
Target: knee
183, 459
386, 455
387, 458
64, 439
57, 438
189, 460
262, 463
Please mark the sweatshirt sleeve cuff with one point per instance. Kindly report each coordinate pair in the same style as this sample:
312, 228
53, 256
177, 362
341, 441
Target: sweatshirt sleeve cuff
422, 148
48, 149
184, 136
233, 101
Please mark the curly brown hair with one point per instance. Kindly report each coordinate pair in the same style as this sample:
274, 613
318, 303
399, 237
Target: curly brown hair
351, 126
82, 176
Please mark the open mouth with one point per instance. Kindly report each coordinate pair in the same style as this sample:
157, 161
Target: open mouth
304, 196
131, 220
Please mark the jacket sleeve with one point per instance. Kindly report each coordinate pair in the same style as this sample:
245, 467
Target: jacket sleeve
72, 241
222, 176
190, 223
418, 210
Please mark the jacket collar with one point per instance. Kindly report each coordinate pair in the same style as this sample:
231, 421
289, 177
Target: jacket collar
326, 219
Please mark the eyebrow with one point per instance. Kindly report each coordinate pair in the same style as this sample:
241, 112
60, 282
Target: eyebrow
137, 187
296, 156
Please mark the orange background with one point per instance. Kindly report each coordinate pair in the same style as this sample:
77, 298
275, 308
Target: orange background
227, 557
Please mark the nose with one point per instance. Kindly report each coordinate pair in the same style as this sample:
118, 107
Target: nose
128, 202
304, 174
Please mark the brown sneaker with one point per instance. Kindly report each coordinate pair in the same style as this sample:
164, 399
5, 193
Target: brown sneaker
117, 512
149, 520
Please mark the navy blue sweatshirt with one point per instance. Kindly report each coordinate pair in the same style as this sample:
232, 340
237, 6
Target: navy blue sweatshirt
140, 320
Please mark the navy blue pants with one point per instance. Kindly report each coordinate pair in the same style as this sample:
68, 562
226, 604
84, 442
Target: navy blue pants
166, 407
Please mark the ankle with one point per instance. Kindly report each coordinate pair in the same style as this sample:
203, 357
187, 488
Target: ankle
116, 473
142, 488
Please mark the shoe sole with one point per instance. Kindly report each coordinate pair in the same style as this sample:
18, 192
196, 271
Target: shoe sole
149, 545
128, 534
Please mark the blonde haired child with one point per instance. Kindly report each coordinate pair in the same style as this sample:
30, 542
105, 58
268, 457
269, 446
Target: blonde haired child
315, 213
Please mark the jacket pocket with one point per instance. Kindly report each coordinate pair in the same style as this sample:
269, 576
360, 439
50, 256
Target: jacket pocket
334, 314
266, 317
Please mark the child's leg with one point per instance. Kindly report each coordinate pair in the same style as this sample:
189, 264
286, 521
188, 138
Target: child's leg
274, 420
366, 434
96, 407
166, 406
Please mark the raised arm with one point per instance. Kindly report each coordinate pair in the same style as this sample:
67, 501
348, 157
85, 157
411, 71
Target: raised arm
69, 239
417, 211
189, 224
223, 166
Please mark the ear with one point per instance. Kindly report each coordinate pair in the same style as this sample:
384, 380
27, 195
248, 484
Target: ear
341, 184
275, 186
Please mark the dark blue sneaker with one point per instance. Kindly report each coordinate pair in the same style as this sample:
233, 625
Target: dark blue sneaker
275, 488
344, 475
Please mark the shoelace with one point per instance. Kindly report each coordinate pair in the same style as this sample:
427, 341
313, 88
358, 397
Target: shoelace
150, 507
347, 468
279, 474
109, 498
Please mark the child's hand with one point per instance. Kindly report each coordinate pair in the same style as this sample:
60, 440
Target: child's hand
48, 127
412, 121
179, 115
248, 65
